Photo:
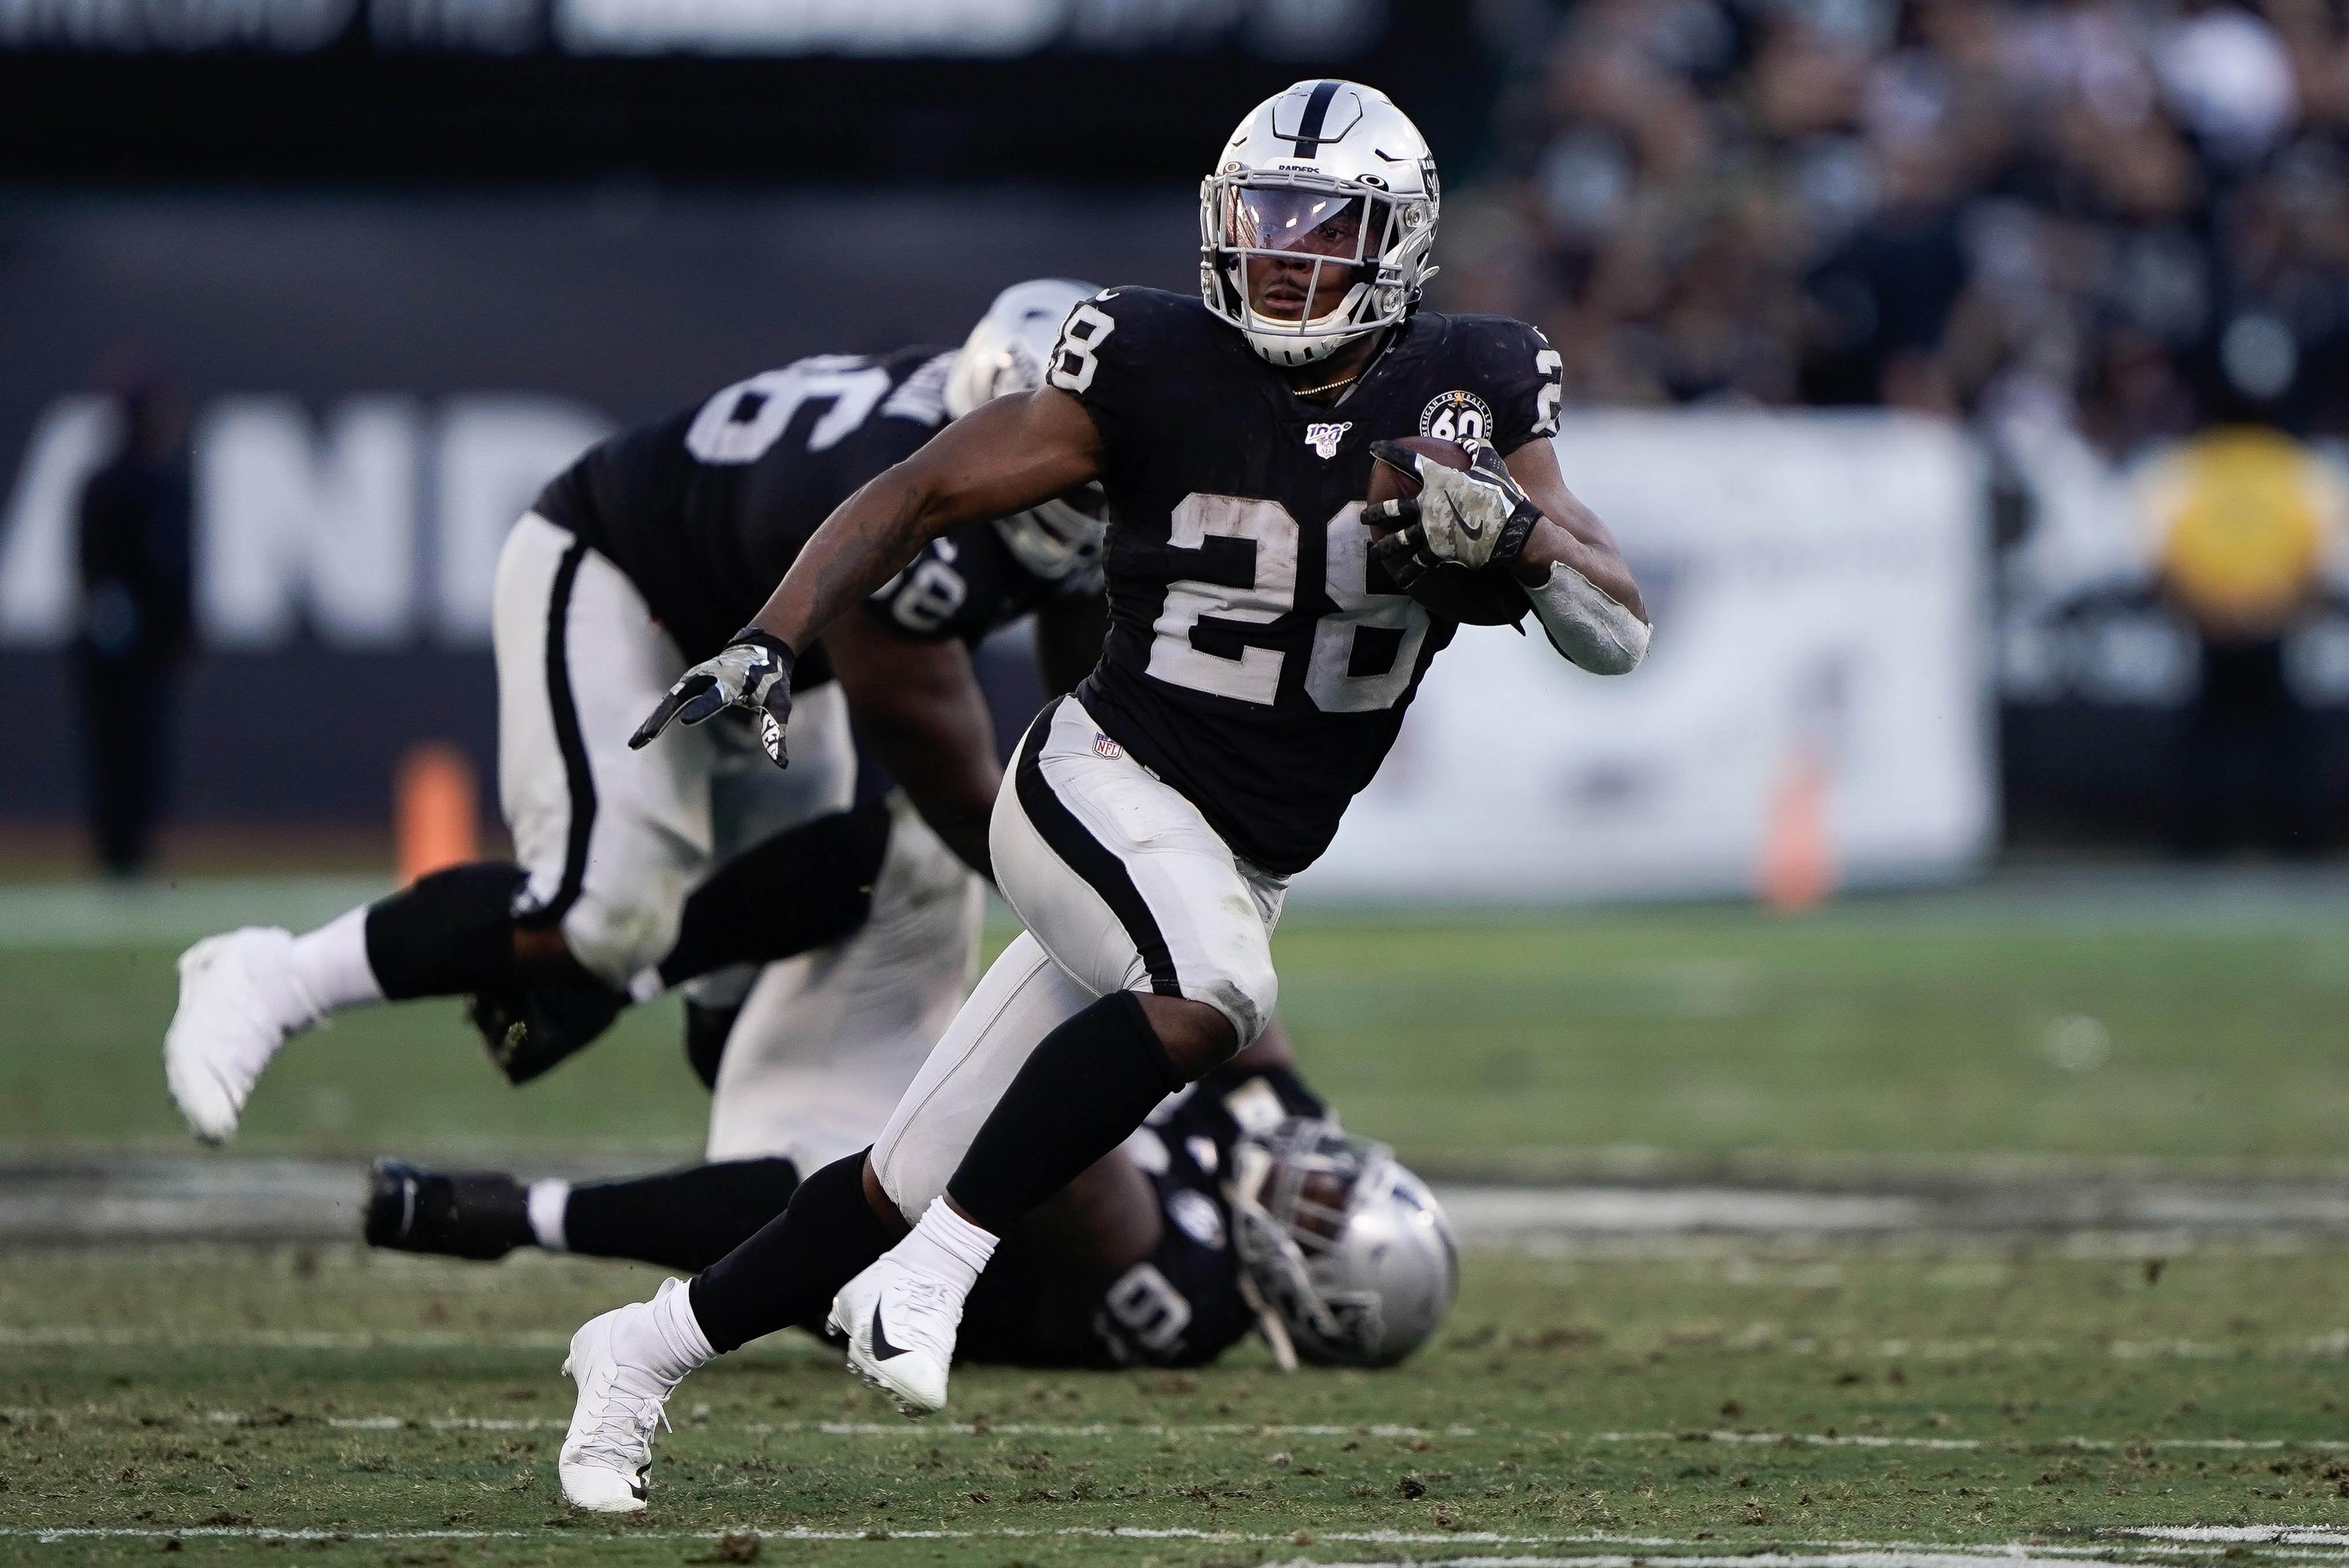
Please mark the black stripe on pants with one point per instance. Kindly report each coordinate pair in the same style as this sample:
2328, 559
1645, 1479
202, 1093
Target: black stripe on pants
1088, 857
560, 703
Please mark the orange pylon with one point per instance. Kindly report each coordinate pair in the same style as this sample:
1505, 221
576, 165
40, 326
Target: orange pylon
1797, 864
436, 810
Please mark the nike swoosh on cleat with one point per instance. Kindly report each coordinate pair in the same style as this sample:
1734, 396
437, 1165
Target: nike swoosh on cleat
881, 1349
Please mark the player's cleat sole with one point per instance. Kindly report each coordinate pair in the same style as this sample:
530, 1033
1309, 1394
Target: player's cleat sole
480, 1216
236, 993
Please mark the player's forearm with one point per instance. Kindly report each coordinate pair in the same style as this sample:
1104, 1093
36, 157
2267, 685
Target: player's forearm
1007, 455
867, 541
1590, 552
1584, 595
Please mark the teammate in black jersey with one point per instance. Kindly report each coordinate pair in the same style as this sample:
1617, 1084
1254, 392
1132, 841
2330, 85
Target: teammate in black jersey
1157, 1256
1257, 664
631, 567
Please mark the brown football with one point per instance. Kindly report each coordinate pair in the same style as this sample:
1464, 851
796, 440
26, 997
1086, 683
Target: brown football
1486, 597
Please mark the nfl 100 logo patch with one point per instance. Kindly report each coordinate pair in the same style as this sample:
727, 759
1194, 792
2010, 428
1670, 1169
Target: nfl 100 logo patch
1324, 438
1458, 415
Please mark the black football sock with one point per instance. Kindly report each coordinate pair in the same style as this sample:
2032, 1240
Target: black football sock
707, 1030
1079, 1095
450, 933
783, 895
788, 1272
685, 1219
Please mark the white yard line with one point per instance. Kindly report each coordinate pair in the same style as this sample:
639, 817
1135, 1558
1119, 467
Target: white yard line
2265, 1534
2332, 1347
387, 1422
68, 1336
1631, 1550
162, 1197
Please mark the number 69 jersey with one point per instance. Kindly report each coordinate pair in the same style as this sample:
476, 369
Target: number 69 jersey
1257, 660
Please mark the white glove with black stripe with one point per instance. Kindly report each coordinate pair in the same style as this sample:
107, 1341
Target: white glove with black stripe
1472, 517
752, 673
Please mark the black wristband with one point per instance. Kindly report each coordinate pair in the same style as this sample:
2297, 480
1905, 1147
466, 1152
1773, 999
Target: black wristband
760, 637
1514, 534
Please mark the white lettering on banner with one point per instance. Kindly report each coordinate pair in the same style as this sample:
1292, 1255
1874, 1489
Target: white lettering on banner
1820, 596
299, 520
494, 454
965, 27
39, 584
292, 26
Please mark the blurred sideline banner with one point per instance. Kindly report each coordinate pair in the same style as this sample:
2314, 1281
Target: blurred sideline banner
1818, 686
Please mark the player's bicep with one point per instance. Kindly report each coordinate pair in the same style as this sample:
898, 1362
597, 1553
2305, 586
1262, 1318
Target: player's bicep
1005, 456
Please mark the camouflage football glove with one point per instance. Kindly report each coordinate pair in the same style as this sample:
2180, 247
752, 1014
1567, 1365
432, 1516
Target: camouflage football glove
754, 672
1471, 517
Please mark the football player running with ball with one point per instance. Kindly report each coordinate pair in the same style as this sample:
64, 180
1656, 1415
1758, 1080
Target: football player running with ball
1258, 663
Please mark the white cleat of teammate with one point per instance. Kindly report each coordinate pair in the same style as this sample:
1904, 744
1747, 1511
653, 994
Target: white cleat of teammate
626, 1369
240, 1000
900, 1323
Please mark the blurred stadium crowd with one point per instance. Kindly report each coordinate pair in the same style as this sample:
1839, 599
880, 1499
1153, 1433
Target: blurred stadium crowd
2130, 215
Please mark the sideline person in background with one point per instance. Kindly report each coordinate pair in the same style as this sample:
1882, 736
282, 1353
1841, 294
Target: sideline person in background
134, 560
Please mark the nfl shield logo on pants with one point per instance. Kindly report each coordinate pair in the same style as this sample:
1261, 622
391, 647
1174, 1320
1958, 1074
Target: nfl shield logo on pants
1105, 747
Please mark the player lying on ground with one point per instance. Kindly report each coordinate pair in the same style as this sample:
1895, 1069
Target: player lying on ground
1258, 664
1150, 1258
635, 561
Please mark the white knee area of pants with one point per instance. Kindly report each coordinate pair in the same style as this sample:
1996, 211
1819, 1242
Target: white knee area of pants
615, 939
1023, 996
1215, 913
1244, 989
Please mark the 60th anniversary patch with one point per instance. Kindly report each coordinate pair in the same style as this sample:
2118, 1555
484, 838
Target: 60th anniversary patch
1457, 416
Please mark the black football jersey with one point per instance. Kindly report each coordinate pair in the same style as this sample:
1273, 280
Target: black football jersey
965, 583
1181, 1306
705, 511
1257, 660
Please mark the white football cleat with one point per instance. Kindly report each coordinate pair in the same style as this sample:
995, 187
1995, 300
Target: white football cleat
239, 1001
900, 1323
610, 1445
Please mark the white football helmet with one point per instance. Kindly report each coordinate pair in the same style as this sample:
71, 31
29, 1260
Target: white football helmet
1345, 1253
1006, 353
1327, 176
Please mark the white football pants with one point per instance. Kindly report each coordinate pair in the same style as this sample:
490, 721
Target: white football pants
614, 839
828, 1040
1122, 886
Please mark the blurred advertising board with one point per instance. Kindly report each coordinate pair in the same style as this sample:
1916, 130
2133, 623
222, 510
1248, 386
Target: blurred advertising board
2173, 647
1815, 703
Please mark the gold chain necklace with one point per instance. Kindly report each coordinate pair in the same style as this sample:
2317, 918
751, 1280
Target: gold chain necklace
1333, 385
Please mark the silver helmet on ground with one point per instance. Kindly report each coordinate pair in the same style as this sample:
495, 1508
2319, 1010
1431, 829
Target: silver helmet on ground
1007, 353
1346, 1252
1326, 182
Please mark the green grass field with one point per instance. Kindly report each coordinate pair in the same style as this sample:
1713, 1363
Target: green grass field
1709, 1404
1711, 1401
1905, 1031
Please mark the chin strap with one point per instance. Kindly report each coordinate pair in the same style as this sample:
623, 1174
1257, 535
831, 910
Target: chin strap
1275, 1333
1586, 625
